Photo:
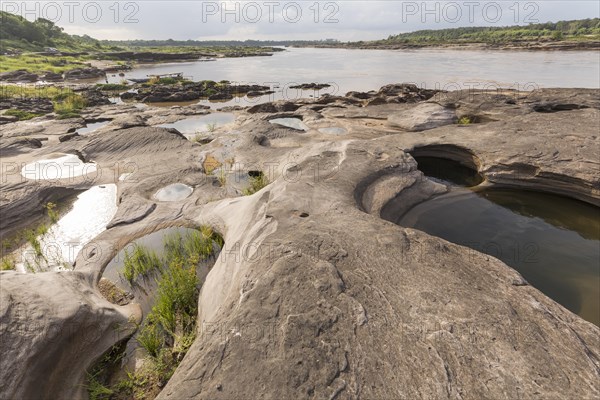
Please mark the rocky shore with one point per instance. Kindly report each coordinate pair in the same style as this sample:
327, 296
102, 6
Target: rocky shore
314, 295
524, 45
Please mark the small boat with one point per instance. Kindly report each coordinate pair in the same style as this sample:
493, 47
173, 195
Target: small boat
205, 59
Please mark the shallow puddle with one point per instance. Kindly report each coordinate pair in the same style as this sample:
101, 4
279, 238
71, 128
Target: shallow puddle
61, 166
553, 241
90, 214
293, 123
203, 124
91, 127
174, 192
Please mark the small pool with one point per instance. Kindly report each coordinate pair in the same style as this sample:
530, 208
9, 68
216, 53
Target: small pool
174, 192
88, 217
58, 166
91, 127
553, 241
203, 124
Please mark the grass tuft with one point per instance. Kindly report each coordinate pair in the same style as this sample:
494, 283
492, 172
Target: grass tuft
21, 115
141, 262
257, 183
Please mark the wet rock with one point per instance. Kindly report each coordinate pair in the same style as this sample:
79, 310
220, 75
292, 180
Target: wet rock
20, 75
313, 86
67, 137
423, 117
221, 96
95, 98
51, 77
274, 107
37, 106
84, 73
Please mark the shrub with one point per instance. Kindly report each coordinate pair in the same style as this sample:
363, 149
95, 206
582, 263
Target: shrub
464, 121
68, 106
257, 183
112, 86
7, 263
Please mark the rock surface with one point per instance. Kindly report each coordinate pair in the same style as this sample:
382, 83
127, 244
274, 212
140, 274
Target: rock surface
423, 117
314, 295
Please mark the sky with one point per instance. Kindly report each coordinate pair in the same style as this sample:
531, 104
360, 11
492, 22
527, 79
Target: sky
289, 20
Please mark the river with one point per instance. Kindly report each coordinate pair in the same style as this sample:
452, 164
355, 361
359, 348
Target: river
364, 70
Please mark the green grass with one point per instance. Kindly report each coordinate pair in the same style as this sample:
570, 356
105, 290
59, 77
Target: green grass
140, 263
38, 64
257, 183
21, 115
7, 264
465, 121
112, 86
34, 92
69, 107
170, 328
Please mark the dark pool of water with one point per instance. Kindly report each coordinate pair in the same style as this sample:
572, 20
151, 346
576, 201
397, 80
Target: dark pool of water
448, 171
553, 241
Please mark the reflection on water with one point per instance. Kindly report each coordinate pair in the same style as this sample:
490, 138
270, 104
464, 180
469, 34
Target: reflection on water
553, 241
365, 70
91, 127
174, 192
58, 166
88, 217
191, 126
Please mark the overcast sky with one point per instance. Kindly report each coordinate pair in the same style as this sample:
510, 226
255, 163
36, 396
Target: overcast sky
241, 20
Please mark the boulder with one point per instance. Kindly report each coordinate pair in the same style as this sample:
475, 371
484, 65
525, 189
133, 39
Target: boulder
84, 73
51, 77
423, 117
18, 76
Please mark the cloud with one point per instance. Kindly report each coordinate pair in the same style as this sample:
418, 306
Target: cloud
241, 20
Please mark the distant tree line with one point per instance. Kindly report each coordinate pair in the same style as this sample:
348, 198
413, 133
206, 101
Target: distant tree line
578, 29
212, 43
19, 34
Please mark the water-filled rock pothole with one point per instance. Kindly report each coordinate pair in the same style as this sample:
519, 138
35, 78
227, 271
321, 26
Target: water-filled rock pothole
92, 126
449, 164
57, 246
553, 241
163, 273
190, 127
58, 166
174, 192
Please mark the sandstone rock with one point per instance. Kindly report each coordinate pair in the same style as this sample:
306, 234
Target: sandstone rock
315, 295
423, 117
